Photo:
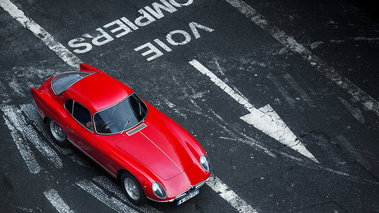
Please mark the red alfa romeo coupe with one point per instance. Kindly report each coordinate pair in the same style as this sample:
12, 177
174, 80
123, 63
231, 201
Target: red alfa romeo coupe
151, 155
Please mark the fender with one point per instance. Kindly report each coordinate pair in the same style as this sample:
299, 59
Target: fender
44, 111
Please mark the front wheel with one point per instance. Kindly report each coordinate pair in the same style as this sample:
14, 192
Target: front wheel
57, 133
133, 189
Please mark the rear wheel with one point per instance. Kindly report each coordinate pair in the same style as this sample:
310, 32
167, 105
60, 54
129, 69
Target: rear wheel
133, 189
57, 133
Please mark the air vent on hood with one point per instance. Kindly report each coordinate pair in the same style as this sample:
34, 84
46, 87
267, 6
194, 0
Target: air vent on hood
137, 129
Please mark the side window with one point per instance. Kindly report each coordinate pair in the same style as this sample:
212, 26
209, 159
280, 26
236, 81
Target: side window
82, 115
68, 105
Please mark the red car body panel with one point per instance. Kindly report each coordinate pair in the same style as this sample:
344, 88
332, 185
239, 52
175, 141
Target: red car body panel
158, 149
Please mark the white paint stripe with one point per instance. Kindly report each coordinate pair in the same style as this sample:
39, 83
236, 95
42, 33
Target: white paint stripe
174, 107
23, 148
214, 182
16, 87
282, 90
265, 118
18, 121
56, 200
343, 174
369, 102
41, 33
297, 87
227, 194
365, 39
276, 125
244, 102
290, 156
34, 117
219, 67
109, 185
42, 147
355, 112
99, 194
246, 140
350, 148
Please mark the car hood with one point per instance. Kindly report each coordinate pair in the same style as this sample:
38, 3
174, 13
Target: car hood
158, 149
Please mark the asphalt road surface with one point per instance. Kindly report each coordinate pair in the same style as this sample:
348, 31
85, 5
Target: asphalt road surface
283, 95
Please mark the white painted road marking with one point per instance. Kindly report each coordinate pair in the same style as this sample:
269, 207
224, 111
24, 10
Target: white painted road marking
368, 102
111, 186
297, 87
225, 192
124, 26
265, 119
355, 112
282, 90
21, 144
152, 52
16, 120
99, 194
56, 200
350, 148
41, 33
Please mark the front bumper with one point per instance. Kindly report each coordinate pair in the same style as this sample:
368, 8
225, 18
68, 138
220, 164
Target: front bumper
190, 190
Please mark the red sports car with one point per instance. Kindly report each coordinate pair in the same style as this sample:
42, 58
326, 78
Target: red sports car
151, 155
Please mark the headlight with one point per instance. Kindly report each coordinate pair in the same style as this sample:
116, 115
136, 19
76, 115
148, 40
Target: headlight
158, 190
205, 164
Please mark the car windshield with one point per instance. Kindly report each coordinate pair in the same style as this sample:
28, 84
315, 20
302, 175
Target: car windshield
123, 116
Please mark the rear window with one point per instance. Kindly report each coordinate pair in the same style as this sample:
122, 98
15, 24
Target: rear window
62, 82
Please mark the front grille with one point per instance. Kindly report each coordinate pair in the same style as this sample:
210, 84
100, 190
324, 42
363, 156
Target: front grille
191, 189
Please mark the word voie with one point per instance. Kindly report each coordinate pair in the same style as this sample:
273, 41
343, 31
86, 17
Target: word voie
182, 38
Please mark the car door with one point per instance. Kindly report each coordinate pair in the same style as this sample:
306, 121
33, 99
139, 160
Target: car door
82, 135
80, 130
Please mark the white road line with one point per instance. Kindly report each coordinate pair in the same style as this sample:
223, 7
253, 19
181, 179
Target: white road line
41, 33
116, 189
342, 174
355, 112
282, 90
16, 118
16, 87
214, 183
23, 147
265, 118
111, 186
33, 116
297, 87
237, 97
56, 200
99, 194
358, 94
227, 194
350, 148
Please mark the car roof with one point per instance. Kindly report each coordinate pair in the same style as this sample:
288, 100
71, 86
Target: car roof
97, 91
63, 81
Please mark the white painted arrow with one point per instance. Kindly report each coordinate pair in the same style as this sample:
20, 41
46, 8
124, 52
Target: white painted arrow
265, 118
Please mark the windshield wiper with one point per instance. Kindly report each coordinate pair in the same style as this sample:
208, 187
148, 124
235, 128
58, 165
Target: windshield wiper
127, 122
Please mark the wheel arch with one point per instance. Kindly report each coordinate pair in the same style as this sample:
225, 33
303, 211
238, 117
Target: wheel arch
145, 180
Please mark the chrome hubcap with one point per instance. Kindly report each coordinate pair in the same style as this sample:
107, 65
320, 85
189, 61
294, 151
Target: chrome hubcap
57, 132
131, 188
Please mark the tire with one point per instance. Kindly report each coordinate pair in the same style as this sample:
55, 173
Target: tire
133, 189
57, 133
